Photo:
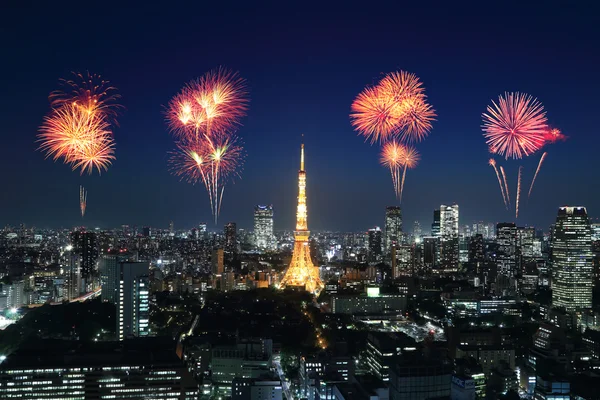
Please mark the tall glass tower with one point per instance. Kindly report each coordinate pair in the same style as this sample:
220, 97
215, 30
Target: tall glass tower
393, 227
572, 260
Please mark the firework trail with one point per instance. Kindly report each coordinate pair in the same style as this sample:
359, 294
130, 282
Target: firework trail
409, 159
515, 126
395, 107
82, 200
536, 173
202, 116
518, 192
505, 185
492, 163
391, 155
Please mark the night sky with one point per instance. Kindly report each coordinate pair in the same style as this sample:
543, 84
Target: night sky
304, 64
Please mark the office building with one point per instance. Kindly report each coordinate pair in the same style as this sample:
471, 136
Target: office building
134, 369
217, 261
374, 244
506, 257
572, 260
370, 303
263, 228
393, 227
13, 295
266, 388
230, 245
420, 375
110, 271
383, 348
430, 251
85, 245
449, 241
417, 230
435, 226
131, 280
72, 276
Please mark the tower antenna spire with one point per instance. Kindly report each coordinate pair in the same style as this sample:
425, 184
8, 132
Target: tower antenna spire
302, 154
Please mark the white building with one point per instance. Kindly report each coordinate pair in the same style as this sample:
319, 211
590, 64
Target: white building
264, 239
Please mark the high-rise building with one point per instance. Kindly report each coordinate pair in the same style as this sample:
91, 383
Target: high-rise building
417, 229
202, 231
13, 295
393, 227
132, 299
374, 244
449, 236
506, 257
230, 233
302, 272
72, 276
572, 260
218, 261
476, 253
110, 273
430, 251
263, 228
84, 244
435, 226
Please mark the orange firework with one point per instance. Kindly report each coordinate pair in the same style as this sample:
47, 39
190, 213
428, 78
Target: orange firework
82, 139
392, 154
202, 117
396, 106
409, 159
89, 91
208, 106
373, 115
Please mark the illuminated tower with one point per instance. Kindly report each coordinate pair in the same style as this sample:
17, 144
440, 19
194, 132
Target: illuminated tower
302, 272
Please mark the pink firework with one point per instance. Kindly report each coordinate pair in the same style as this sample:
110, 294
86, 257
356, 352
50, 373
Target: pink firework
515, 127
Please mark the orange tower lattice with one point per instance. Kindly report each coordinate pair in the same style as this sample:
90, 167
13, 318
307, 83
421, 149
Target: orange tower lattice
302, 272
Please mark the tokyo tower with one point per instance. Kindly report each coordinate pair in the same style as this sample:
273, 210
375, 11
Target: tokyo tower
302, 273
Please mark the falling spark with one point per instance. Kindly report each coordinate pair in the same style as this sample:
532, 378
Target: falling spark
492, 162
518, 192
391, 155
515, 126
536, 173
409, 159
505, 185
82, 200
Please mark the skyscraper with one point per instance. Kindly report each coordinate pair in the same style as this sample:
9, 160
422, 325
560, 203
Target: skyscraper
230, 233
374, 244
132, 299
302, 272
572, 260
506, 257
435, 226
84, 244
417, 229
263, 227
72, 276
110, 273
449, 236
393, 227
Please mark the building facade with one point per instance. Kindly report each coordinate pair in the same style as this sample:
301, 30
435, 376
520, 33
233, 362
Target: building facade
264, 238
393, 227
572, 260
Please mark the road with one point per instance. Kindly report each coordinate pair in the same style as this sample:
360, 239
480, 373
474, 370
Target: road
284, 384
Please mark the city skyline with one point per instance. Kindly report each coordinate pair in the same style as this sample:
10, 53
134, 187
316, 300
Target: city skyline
460, 80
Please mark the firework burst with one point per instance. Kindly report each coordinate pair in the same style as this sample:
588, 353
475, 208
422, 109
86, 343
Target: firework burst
202, 116
90, 92
82, 139
395, 107
392, 154
515, 127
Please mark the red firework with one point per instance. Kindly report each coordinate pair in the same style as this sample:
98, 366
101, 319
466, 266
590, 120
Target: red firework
515, 126
89, 91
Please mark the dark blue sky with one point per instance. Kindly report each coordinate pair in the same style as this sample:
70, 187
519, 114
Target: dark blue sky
304, 65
